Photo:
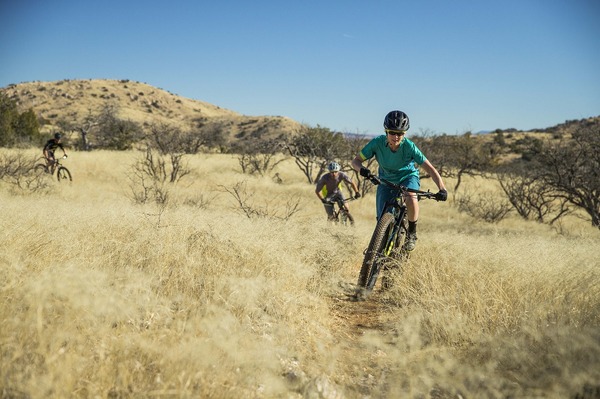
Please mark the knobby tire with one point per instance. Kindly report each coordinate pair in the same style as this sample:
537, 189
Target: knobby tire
39, 168
63, 174
374, 255
346, 217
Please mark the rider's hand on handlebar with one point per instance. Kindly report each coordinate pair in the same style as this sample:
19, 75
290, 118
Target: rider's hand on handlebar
325, 201
357, 195
364, 172
441, 195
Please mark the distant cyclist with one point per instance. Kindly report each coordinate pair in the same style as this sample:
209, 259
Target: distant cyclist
328, 187
49, 148
397, 157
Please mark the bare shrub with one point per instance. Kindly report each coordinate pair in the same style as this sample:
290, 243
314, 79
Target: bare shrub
487, 207
163, 163
533, 199
18, 170
260, 157
572, 169
269, 209
149, 177
199, 201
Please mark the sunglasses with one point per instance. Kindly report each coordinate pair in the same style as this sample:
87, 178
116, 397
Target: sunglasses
395, 132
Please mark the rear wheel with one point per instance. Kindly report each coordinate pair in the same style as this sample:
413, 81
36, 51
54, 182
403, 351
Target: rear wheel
375, 256
41, 168
63, 174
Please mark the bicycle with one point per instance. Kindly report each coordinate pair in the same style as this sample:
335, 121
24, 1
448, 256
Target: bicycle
387, 241
62, 173
340, 214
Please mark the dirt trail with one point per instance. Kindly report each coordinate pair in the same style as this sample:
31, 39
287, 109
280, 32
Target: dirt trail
357, 317
354, 321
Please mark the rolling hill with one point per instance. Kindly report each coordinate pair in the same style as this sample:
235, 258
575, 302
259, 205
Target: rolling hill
71, 101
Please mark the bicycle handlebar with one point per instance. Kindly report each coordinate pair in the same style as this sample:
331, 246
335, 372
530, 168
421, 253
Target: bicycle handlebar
335, 202
420, 194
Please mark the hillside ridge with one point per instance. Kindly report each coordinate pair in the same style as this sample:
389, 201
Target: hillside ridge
73, 101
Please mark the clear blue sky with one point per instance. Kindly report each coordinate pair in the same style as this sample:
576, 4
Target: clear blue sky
452, 65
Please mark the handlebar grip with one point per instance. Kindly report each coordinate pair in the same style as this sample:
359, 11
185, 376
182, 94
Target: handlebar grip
374, 179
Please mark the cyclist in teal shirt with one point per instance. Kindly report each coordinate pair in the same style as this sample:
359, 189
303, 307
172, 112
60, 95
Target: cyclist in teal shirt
398, 158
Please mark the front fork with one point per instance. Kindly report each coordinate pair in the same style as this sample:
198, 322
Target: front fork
394, 238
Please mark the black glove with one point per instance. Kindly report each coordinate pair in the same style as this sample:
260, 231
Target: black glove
325, 201
364, 172
441, 195
357, 195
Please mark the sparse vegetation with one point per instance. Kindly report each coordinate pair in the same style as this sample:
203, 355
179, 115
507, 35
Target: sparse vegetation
17, 128
73, 102
102, 297
17, 169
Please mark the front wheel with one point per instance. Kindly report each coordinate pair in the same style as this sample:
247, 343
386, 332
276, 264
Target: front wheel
63, 174
346, 217
375, 256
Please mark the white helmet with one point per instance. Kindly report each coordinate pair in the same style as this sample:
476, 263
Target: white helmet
334, 167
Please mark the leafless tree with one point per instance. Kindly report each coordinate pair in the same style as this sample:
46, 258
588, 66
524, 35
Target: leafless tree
572, 169
458, 156
260, 156
532, 198
313, 147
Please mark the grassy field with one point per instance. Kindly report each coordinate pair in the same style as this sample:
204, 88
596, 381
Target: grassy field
102, 297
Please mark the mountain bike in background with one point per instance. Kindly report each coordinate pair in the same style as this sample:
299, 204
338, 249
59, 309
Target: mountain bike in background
341, 214
385, 249
62, 173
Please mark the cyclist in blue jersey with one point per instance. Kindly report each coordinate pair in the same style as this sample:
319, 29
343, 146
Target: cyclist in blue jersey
398, 158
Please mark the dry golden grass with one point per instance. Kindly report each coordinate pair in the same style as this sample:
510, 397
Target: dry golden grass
101, 297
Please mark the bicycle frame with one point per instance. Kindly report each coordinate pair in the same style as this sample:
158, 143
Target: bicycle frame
388, 235
340, 210
62, 173
397, 207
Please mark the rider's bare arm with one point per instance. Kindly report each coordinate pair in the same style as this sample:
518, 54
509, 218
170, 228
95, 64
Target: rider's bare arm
357, 163
435, 176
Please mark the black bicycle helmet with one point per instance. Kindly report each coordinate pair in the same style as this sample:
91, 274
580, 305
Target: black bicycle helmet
396, 120
57, 136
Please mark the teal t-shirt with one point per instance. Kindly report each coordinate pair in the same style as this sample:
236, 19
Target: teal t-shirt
394, 166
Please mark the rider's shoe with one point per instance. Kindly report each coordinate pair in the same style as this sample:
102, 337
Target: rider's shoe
411, 242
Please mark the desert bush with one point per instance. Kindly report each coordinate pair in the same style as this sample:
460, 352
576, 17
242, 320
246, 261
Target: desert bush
485, 206
150, 176
260, 157
163, 164
269, 208
18, 170
572, 169
17, 128
532, 198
